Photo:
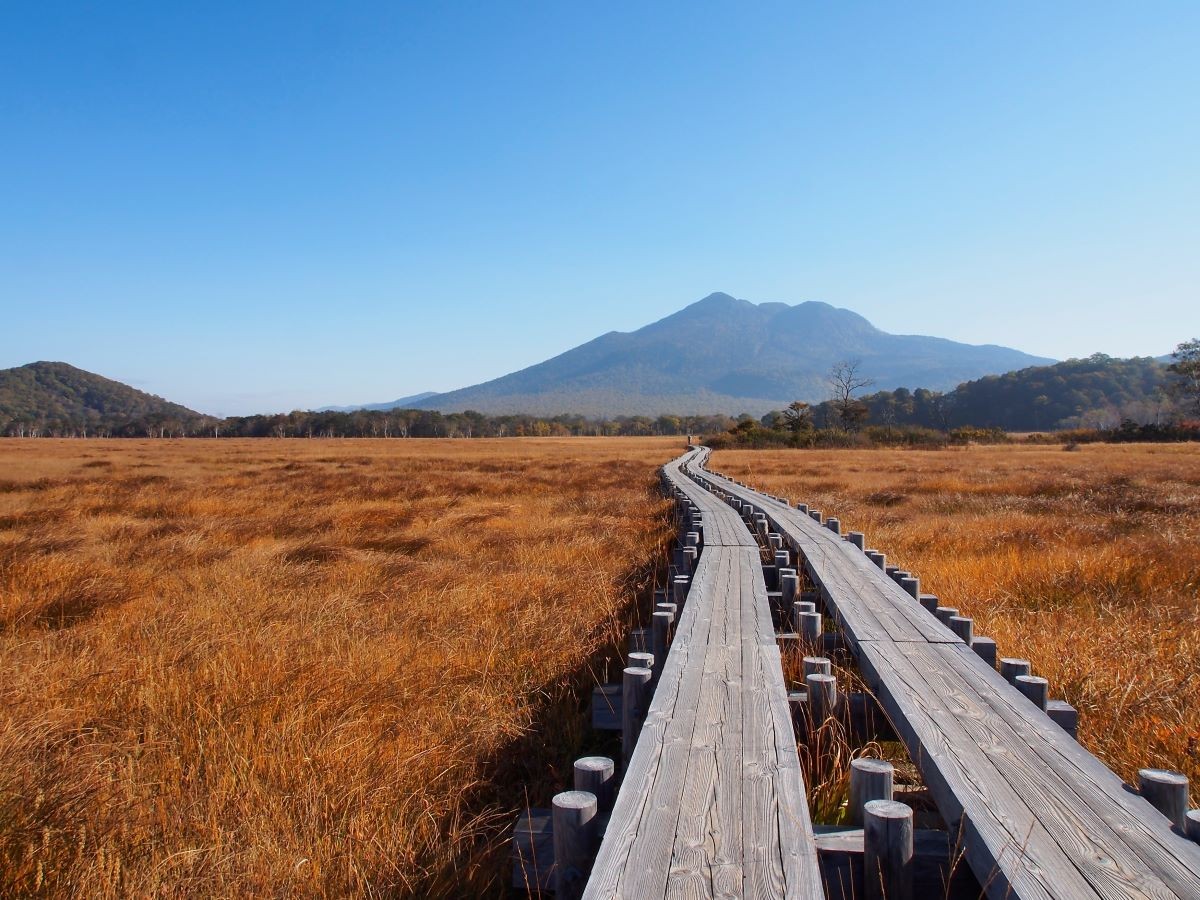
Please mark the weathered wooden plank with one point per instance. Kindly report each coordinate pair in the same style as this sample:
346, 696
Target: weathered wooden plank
707, 855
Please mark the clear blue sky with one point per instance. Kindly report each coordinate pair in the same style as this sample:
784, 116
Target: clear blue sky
260, 206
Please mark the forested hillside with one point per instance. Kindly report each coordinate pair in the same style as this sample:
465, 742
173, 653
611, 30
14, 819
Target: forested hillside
1097, 392
56, 398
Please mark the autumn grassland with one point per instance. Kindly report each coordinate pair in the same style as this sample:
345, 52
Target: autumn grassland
335, 667
302, 667
1087, 563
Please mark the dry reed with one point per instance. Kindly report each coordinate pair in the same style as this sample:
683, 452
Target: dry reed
301, 667
1086, 563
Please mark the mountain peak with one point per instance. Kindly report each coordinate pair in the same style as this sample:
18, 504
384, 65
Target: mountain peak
724, 354
718, 300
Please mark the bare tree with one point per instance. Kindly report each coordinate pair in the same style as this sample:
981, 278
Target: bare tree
844, 379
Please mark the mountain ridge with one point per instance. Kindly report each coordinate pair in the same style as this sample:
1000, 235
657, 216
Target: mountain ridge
748, 363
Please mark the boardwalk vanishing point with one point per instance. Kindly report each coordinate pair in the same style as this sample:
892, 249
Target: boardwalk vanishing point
712, 800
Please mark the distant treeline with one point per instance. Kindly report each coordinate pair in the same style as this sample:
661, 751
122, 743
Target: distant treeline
395, 423
1099, 394
1081, 400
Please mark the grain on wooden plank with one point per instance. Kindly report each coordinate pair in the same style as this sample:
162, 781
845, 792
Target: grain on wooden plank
1140, 839
706, 855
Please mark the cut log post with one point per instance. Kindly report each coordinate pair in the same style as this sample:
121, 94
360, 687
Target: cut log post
963, 628
640, 660
890, 571
870, 779
809, 629
858, 539
1011, 667
660, 641
597, 775
817, 665
1167, 792
912, 585
887, 850
1192, 825
985, 648
802, 507
834, 524
815, 515
945, 613
574, 832
635, 694
691, 539
880, 559
782, 561
679, 590
690, 556
822, 697
774, 540
930, 602
1037, 689
789, 587
1065, 716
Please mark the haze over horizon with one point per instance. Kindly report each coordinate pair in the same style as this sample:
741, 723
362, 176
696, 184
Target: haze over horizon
269, 206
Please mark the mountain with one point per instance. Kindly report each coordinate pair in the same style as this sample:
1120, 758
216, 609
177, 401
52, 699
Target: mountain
403, 403
54, 396
722, 354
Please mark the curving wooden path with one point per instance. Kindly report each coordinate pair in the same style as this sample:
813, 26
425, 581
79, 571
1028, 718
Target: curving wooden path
1038, 816
713, 803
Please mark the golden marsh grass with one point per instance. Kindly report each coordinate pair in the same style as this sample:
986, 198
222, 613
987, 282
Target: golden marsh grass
301, 667
1086, 563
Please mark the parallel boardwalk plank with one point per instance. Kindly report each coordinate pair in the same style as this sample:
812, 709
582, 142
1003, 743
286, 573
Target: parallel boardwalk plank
1040, 816
713, 804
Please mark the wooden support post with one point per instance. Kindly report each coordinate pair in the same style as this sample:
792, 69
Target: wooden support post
597, 775
789, 587
802, 507
834, 524
640, 660
1035, 688
963, 628
1167, 792
1011, 667
890, 571
679, 590
858, 539
880, 559
690, 556
815, 515
635, 695
912, 585
817, 665
574, 832
774, 540
1192, 825
1065, 716
870, 779
691, 539
944, 614
822, 697
887, 850
985, 648
930, 602
809, 629
781, 561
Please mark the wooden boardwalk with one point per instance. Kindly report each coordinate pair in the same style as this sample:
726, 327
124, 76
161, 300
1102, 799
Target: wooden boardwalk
713, 802
1038, 816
